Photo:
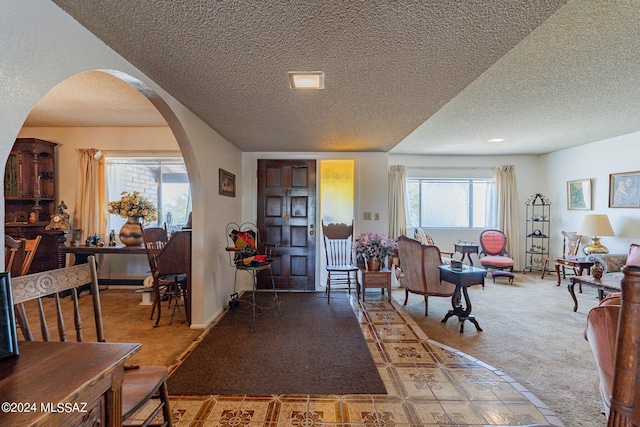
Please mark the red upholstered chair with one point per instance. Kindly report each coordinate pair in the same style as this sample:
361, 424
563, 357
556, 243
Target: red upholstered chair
493, 254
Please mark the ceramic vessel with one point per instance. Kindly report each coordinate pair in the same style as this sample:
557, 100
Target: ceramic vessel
597, 270
131, 232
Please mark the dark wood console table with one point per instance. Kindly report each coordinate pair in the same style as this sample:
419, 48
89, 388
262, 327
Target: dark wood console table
463, 278
85, 378
466, 249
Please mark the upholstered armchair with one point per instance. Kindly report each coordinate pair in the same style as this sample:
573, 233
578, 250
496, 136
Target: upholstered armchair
420, 271
494, 252
601, 330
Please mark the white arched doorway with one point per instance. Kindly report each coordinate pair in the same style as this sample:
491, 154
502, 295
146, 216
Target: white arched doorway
110, 111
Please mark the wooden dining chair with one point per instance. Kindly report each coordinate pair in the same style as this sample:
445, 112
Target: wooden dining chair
14, 255
20, 255
142, 385
341, 270
167, 287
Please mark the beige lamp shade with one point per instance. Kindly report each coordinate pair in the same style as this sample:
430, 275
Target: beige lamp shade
596, 225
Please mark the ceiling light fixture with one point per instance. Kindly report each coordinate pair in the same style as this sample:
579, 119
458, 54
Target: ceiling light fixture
306, 79
496, 140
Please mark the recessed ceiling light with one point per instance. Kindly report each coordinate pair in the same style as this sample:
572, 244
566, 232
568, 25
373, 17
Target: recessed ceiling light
306, 79
496, 140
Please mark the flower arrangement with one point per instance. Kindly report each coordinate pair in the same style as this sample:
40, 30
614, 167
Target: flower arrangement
370, 245
133, 205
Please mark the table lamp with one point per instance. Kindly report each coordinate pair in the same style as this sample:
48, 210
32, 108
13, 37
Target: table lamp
596, 225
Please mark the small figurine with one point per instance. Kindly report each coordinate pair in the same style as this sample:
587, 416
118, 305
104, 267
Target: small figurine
112, 238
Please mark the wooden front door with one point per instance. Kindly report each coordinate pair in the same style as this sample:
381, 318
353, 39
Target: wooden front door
286, 216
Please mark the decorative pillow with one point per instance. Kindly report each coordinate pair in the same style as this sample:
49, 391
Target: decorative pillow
247, 254
634, 255
245, 241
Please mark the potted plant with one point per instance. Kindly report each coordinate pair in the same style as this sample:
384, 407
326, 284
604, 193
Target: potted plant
374, 249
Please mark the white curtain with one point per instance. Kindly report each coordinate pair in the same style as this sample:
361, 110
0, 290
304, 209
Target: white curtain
508, 209
397, 211
89, 213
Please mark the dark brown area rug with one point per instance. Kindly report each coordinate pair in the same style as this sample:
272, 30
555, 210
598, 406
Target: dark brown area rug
318, 348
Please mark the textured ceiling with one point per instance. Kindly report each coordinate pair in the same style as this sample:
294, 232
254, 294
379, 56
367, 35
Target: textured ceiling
432, 77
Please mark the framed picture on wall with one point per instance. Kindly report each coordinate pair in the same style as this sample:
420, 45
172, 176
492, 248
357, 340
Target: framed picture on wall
227, 183
579, 194
624, 190
8, 334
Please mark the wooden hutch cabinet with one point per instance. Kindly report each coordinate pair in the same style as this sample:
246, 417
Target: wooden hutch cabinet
30, 198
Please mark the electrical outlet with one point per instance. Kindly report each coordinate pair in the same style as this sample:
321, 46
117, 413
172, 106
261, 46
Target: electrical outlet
366, 216
376, 216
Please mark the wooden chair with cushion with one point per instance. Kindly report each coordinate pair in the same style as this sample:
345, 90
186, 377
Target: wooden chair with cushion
493, 253
341, 270
141, 384
570, 248
420, 271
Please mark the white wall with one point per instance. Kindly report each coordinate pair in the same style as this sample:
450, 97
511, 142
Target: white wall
595, 161
42, 46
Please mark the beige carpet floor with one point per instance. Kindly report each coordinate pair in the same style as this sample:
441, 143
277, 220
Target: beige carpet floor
532, 334
124, 320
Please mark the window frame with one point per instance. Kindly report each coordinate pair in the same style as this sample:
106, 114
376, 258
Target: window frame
470, 200
153, 160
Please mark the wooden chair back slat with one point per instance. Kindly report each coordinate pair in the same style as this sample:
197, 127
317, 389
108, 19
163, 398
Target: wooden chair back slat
44, 327
570, 243
51, 283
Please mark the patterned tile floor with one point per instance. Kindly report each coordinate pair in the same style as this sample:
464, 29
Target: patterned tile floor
427, 384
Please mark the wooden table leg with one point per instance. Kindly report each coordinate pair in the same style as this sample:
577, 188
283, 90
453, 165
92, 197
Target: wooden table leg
570, 287
558, 273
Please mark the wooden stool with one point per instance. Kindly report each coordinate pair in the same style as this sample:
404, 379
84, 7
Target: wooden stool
502, 273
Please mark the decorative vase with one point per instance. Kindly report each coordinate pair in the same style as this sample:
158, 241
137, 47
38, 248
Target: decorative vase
131, 232
597, 270
373, 264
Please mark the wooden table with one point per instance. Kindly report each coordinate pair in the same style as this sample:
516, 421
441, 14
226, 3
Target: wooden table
605, 284
466, 249
69, 383
83, 251
464, 278
581, 262
375, 279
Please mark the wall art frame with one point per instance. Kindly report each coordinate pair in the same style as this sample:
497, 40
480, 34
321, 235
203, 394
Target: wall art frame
624, 190
226, 183
8, 332
579, 194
